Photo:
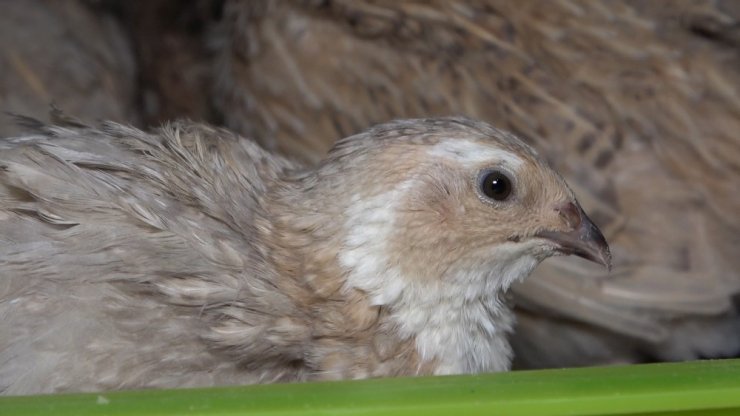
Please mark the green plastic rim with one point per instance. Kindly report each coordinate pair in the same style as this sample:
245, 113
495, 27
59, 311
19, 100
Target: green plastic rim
700, 387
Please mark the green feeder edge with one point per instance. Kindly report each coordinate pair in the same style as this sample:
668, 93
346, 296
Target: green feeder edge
691, 388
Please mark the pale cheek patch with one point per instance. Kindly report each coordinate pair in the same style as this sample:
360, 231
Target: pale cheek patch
471, 153
370, 224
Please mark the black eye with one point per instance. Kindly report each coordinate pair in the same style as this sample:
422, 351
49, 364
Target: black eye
495, 185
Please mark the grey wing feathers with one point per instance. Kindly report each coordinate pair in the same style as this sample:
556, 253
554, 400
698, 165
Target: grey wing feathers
112, 241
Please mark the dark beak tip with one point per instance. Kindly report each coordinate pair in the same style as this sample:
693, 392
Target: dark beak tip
601, 256
595, 245
585, 241
592, 245
605, 254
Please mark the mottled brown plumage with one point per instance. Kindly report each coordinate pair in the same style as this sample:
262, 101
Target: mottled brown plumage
192, 257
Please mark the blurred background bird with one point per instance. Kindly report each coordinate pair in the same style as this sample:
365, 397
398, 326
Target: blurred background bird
66, 53
635, 103
192, 257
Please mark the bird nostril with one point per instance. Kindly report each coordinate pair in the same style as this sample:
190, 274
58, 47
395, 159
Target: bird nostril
571, 213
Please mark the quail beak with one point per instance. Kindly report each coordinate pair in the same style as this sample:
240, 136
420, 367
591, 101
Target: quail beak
585, 240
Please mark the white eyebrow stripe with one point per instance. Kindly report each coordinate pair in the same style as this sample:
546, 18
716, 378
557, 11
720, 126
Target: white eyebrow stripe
468, 152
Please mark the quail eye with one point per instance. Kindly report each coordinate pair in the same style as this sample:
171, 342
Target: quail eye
495, 185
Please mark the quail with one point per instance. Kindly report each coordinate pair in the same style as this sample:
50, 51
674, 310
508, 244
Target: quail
192, 257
